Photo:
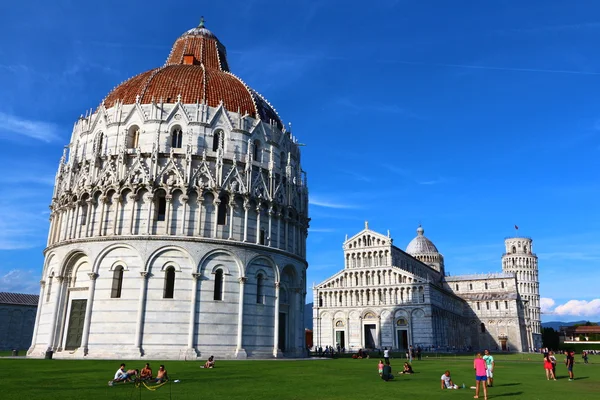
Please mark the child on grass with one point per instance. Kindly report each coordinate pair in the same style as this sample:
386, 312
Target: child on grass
380, 367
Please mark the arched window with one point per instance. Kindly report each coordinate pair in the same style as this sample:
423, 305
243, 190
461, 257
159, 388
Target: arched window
176, 137
218, 292
133, 137
100, 144
502, 285
161, 206
217, 140
482, 327
84, 209
117, 283
260, 288
320, 300
470, 286
169, 283
486, 286
256, 152
514, 249
478, 306
262, 237
222, 211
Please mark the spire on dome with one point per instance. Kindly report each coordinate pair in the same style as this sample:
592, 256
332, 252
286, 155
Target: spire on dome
420, 230
201, 22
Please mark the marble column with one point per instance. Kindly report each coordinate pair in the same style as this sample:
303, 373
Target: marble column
131, 198
169, 213
53, 319
148, 199
184, 199
239, 351
246, 208
199, 230
258, 213
192, 328
216, 203
270, 212
276, 352
139, 329
37, 316
102, 200
231, 212
116, 200
88, 313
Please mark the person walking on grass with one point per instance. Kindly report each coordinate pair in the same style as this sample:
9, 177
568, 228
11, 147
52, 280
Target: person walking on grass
479, 366
553, 361
548, 367
569, 361
490, 364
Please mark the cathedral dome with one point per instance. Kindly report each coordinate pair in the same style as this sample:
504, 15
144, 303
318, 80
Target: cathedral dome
420, 244
196, 70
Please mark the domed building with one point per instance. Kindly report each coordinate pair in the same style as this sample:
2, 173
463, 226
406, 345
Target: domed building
387, 297
178, 221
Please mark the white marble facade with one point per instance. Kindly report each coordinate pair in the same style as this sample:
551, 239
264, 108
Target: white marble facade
177, 229
385, 297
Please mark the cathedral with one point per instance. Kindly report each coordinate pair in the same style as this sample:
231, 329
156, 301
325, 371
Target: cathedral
387, 297
178, 221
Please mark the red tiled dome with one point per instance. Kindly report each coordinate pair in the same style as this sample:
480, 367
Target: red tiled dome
196, 69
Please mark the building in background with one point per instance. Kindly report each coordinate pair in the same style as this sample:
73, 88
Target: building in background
17, 318
178, 221
387, 297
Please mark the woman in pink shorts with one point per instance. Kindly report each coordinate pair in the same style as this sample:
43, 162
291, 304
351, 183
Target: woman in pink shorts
480, 375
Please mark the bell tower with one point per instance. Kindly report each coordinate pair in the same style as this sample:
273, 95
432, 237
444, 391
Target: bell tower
520, 260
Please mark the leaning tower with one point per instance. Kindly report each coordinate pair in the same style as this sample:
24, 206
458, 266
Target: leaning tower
520, 260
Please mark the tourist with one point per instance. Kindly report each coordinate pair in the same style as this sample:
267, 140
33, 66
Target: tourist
387, 373
553, 361
380, 367
132, 373
419, 353
210, 363
407, 369
411, 354
585, 357
548, 367
446, 381
386, 355
161, 375
146, 373
569, 361
120, 376
480, 367
489, 362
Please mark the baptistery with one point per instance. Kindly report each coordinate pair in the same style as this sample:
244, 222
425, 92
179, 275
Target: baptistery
178, 221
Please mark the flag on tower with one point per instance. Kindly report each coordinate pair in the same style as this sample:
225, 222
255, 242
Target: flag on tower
516, 227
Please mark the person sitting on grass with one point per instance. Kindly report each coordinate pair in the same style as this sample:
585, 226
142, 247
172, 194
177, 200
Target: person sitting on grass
386, 374
161, 375
120, 376
210, 363
407, 369
146, 373
446, 381
132, 374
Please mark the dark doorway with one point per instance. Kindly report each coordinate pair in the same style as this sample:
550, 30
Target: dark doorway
370, 336
402, 338
282, 330
503, 344
76, 321
340, 339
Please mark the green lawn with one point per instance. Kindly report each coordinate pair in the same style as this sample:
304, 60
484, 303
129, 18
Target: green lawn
516, 377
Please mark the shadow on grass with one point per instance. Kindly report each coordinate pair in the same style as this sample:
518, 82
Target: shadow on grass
507, 384
581, 377
506, 394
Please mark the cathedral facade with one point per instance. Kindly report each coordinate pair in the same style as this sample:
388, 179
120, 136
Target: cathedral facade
387, 297
178, 221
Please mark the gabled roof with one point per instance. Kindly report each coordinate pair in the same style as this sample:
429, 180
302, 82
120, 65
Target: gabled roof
19, 299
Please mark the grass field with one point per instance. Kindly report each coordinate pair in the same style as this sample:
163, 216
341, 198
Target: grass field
516, 377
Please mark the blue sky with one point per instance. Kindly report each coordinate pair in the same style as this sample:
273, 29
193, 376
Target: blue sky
468, 117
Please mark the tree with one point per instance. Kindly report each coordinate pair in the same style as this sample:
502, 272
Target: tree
550, 338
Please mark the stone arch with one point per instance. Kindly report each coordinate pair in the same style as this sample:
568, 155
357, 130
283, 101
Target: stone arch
211, 255
157, 253
107, 250
70, 259
269, 261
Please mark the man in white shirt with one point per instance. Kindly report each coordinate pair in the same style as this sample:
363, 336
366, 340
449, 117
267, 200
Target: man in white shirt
386, 355
120, 376
446, 381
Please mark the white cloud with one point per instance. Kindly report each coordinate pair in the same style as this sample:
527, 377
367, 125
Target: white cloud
546, 304
320, 202
40, 130
581, 308
20, 281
